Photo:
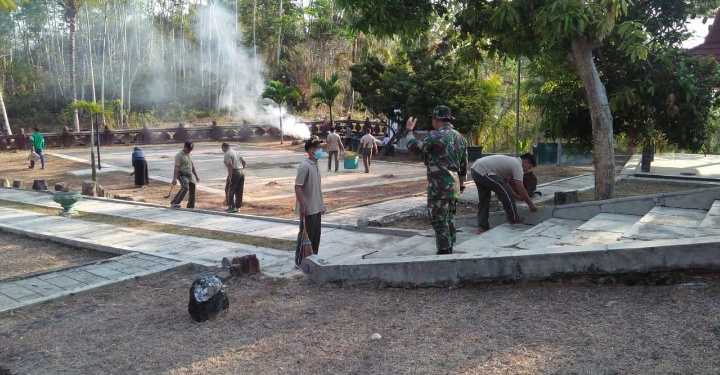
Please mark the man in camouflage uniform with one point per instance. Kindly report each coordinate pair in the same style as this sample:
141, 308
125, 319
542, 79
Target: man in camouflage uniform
444, 151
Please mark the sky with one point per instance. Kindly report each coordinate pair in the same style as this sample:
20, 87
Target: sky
699, 31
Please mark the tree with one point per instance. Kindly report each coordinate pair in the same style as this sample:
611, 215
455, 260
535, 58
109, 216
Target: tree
328, 90
3, 113
669, 93
280, 94
92, 109
418, 80
527, 27
71, 8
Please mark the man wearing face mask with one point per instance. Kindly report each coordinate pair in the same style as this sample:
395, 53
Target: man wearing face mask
309, 205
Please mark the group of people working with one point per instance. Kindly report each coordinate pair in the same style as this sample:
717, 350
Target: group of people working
444, 152
184, 171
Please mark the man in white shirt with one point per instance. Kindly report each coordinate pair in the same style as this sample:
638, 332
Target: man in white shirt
490, 174
334, 146
309, 204
367, 148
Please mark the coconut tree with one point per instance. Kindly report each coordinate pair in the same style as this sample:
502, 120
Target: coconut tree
328, 90
279, 93
92, 109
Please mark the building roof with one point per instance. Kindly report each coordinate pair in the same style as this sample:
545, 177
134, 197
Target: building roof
711, 45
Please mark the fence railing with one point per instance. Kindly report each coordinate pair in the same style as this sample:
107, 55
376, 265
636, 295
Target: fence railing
179, 134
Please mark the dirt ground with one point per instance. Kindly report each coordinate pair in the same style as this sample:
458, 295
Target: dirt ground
292, 327
587, 325
119, 184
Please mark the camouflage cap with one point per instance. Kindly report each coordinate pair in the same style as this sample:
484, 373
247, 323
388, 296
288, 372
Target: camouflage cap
442, 112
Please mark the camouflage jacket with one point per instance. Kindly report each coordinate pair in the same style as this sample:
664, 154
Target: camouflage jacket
444, 151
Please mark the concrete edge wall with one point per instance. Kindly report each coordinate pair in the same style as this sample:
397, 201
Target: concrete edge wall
527, 265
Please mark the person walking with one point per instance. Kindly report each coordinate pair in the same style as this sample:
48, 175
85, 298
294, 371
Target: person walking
235, 178
184, 171
444, 151
367, 148
334, 146
140, 168
309, 204
490, 174
37, 144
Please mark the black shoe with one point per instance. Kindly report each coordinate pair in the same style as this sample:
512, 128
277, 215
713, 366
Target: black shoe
444, 252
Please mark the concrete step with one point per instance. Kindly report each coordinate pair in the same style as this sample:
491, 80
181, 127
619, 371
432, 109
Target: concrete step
710, 226
602, 229
666, 223
500, 237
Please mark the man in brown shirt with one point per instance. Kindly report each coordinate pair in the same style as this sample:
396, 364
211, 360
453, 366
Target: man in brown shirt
334, 146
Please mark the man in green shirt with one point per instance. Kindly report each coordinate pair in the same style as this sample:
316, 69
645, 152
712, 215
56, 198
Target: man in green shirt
37, 142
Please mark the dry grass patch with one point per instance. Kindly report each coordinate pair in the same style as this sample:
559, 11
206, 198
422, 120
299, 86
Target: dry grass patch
292, 327
20, 255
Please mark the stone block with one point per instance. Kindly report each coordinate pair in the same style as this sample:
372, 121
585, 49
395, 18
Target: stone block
4, 182
39, 185
245, 265
565, 197
89, 188
18, 184
60, 186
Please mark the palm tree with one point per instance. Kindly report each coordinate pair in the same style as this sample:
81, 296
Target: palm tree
92, 108
279, 93
71, 8
328, 91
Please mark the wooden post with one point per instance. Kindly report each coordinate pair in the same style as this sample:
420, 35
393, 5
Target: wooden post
566, 197
18, 184
39, 185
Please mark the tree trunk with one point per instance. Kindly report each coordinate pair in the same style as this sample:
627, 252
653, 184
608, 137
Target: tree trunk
73, 74
281, 128
102, 69
90, 57
3, 113
601, 117
279, 40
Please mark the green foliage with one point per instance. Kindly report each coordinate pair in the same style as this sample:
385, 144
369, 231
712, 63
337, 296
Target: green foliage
327, 91
418, 81
279, 93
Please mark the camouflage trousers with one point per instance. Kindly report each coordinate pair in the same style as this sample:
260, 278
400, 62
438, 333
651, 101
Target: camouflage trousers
442, 214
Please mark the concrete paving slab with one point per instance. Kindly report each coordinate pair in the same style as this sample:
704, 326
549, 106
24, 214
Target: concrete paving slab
546, 233
504, 235
665, 223
602, 229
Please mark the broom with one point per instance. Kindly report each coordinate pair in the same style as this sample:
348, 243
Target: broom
305, 247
